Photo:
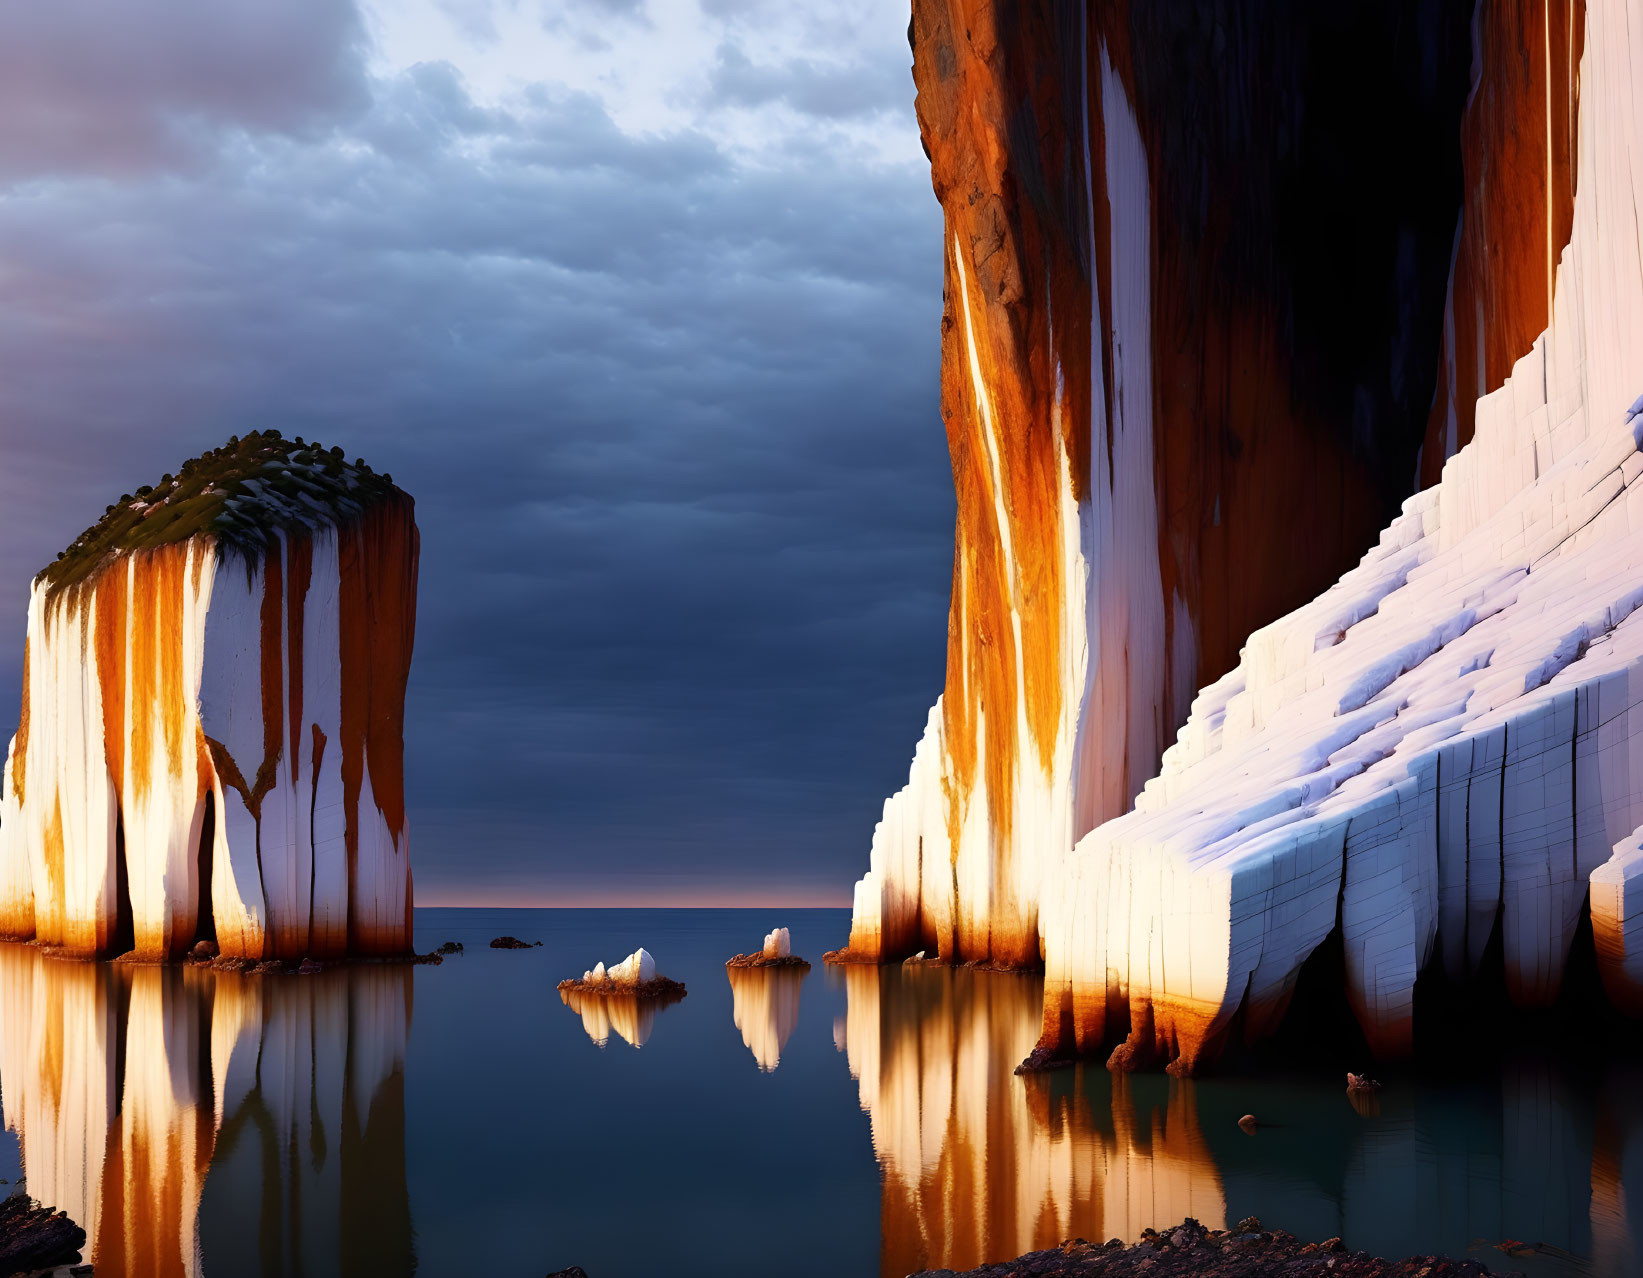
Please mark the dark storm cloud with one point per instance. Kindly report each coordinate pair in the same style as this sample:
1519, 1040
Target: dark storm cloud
88, 86
669, 417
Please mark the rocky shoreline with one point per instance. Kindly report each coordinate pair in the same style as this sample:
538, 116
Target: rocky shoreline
1247, 1251
34, 1237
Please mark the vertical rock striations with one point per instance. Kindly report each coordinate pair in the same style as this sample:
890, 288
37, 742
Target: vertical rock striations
211, 741
1444, 750
1518, 146
1194, 295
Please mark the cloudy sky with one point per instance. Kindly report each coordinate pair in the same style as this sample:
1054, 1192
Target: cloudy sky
638, 298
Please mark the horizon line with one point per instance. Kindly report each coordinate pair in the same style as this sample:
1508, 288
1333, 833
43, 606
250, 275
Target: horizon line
639, 901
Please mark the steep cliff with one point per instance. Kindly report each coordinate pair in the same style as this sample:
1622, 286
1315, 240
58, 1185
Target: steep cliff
1196, 268
1518, 148
1442, 752
211, 740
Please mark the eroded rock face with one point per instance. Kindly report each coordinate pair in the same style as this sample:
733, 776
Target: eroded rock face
1445, 745
1519, 148
1194, 299
211, 742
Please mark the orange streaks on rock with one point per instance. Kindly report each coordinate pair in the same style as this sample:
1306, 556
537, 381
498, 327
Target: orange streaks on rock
1519, 143
377, 624
109, 596
300, 554
158, 703
273, 676
1015, 342
20, 747
51, 927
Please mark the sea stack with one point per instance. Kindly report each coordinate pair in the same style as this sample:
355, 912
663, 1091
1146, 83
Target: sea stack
211, 739
777, 951
636, 975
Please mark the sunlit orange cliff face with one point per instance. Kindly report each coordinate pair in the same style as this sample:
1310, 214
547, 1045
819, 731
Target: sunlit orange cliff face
1196, 268
211, 741
1438, 758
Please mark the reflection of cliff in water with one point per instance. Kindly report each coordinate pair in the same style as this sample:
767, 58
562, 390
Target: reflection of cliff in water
202, 1122
980, 1165
765, 1007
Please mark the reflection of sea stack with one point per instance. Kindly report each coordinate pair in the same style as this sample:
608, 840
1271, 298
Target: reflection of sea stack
765, 1004
777, 952
635, 976
631, 1017
213, 704
124, 1084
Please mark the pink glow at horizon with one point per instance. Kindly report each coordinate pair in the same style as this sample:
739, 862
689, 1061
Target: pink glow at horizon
592, 896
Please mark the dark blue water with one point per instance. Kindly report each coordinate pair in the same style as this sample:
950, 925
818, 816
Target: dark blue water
461, 1119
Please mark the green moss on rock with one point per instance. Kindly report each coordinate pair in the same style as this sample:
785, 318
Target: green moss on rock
242, 494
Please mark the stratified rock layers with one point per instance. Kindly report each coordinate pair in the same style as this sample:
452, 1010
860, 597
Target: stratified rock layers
1187, 360
211, 744
1443, 748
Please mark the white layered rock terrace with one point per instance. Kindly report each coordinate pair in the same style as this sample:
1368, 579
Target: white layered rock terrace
1446, 742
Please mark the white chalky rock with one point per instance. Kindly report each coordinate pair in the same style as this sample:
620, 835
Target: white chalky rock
636, 969
1450, 734
778, 945
211, 732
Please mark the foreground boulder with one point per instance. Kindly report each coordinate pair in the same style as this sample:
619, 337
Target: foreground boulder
34, 1237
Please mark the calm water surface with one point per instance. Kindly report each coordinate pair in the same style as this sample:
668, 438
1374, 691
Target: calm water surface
462, 1119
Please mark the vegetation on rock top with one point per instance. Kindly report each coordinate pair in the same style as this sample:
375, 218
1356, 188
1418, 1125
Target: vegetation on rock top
242, 494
